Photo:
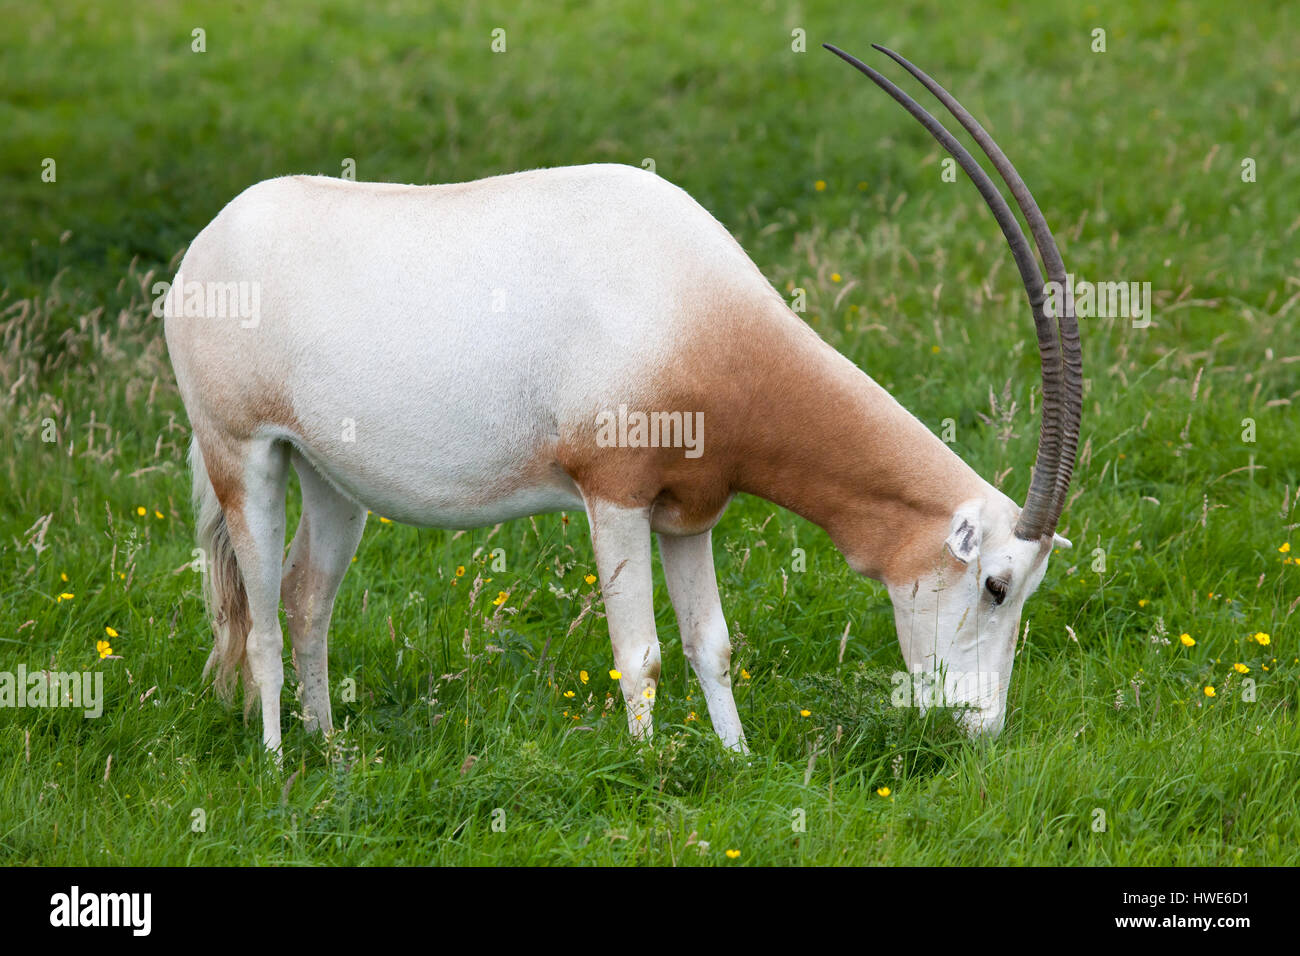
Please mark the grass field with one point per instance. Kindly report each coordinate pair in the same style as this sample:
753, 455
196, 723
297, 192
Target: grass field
1182, 511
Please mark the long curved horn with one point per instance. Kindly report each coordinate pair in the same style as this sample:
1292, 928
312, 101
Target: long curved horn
1041, 511
1067, 323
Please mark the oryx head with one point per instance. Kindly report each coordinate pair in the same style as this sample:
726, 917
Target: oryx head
958, 620
958, 624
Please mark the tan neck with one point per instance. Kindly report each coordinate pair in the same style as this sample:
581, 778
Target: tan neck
831, 445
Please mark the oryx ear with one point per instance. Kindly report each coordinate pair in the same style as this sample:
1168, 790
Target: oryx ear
1059, 542
964, 538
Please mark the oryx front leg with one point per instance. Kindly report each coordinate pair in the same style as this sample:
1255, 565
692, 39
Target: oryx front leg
327, 537
621, 539
693, 587
256, 524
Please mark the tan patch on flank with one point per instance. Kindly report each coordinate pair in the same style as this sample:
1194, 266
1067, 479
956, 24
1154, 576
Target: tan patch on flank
225, 468
225, 427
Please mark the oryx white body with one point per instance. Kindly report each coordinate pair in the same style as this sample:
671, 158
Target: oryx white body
441, 354
455, 335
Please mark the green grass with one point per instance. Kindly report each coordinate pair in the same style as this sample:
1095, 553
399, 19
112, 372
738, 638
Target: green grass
1135, 155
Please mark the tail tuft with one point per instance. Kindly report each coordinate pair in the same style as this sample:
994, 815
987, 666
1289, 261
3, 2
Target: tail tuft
223, 591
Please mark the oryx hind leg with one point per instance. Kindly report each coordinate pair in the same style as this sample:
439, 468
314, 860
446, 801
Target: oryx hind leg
693, 588
327, 538
257, 471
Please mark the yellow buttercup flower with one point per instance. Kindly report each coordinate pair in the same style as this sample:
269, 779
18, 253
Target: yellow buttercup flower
835, 277
582, 676
820, 185
1241, 668
568, 693
104, 649
141, 510
744, 674
883, 791
1209, 690
110, 632
1286, 546
500, 598
66, 596
615, 675
1143, 602
460, 570
805, 713
1262, 639
590, 578
1187, 639
733, 854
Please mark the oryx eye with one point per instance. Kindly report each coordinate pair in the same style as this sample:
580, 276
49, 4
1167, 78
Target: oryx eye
997, 588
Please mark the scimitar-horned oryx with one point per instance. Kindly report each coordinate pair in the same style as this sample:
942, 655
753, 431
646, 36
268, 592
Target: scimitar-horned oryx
480, 338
